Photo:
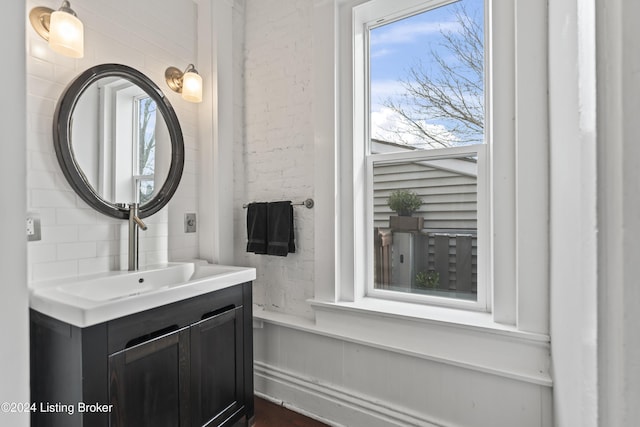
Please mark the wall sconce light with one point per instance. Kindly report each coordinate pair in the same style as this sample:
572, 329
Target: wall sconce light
61, 28
188, 83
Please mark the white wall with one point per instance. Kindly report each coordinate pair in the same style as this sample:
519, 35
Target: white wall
277, 152
149, 36
14, 335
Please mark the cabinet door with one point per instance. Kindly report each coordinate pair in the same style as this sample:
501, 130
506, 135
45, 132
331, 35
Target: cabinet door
217, 368
148, 383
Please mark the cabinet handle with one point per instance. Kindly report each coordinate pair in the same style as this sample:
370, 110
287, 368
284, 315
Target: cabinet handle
150, 336
151, 346
216, 320
217, 312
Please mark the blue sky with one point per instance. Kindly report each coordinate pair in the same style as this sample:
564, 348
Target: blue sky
395, 47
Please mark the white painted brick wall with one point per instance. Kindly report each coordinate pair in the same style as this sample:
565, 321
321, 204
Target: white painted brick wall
274, 156
148, 35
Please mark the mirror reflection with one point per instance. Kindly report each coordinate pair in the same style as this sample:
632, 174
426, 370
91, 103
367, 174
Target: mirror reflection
120, 141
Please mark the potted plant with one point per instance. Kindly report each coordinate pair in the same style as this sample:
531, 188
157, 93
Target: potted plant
405, 203
427, 280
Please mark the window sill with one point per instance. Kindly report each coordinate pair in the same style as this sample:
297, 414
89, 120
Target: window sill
406, 311
456, 337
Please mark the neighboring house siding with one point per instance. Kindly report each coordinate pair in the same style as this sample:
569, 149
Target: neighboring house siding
450, 199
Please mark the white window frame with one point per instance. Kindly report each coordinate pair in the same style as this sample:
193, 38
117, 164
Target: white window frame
366, 17
518, 172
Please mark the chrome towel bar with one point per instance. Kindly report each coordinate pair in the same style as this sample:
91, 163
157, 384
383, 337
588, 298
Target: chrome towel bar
309, 203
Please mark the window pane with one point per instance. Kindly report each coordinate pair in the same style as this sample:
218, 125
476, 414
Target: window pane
146, 186
146, 149
433, 251
427, 79
146, 136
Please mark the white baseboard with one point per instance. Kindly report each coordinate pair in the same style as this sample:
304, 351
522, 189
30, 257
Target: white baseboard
330, 404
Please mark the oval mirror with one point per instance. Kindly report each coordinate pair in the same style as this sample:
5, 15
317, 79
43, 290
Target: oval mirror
118, 141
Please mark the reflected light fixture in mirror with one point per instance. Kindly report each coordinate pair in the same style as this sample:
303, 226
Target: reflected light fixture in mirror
188, 83
61, 28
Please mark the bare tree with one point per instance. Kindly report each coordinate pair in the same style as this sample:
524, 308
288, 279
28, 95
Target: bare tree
443, 104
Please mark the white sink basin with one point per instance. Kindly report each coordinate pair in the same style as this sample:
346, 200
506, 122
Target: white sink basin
88, 300
127, 284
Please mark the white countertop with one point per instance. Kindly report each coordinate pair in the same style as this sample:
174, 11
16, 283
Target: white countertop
88, 300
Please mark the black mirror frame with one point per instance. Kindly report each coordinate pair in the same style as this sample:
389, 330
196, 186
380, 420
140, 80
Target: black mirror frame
64, 152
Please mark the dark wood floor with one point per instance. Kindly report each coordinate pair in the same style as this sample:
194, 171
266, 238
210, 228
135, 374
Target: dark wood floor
271, 415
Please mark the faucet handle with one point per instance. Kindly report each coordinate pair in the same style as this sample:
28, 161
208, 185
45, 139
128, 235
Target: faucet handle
133, 215
140, 223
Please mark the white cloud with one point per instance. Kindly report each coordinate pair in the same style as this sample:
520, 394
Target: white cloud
408, 33
387, 125
379, 53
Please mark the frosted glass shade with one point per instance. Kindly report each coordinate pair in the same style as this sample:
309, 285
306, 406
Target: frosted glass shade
192, 87
66, 34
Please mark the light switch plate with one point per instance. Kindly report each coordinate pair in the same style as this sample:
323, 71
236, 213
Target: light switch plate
33, 227
190, 223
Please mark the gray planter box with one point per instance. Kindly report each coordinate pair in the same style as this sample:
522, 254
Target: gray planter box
407, 223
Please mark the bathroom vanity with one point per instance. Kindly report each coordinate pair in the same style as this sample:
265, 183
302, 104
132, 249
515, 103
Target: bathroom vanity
183, 363
167, 345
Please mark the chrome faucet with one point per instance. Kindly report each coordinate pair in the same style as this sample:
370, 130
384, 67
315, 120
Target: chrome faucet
134, 224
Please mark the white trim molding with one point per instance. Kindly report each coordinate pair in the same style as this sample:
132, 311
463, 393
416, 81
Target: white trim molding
340, 403
472, 341
353, 372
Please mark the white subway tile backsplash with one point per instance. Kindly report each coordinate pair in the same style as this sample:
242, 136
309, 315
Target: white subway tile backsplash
153, 244
65, 73
97, 232
53, 270
105, 248
38, 253
42, 160
43, 87
159, 257
157, 230
40, 123
81, 250
96, 265
59, 234
41, 142
46, 180
41, 198
38, 50
75, 216
42, 107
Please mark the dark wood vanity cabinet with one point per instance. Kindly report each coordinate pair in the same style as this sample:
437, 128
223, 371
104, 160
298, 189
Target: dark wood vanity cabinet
186, 364
147, 382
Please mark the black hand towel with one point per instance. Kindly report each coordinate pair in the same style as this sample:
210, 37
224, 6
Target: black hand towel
280, 239
257, 228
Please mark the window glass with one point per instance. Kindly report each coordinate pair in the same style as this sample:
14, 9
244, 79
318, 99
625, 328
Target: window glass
434, 250
427, 79
426, 128
146, 148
